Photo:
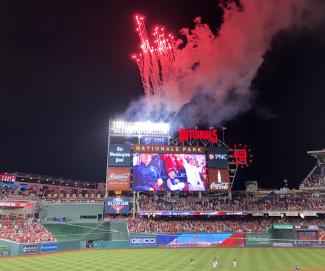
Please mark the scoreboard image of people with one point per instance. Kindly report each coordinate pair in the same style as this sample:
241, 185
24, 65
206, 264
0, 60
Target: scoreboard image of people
166, 168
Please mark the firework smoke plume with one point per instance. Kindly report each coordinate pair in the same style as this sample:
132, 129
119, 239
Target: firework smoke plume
207, 78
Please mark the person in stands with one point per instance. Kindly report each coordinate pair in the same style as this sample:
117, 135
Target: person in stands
145, 175
173, 183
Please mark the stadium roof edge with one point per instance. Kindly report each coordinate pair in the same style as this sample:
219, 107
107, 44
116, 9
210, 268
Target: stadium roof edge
318, 154
38, 176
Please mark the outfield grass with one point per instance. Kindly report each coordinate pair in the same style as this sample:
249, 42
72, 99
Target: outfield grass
249, 259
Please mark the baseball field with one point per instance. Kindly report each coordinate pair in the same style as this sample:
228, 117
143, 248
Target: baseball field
248, 259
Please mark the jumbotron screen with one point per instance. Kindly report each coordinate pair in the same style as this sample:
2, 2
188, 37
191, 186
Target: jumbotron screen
169, 171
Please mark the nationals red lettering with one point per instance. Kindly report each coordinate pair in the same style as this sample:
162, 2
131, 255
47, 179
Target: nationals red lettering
211, 135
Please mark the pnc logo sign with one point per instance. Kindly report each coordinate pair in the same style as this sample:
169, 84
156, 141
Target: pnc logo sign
218, 156
221, 156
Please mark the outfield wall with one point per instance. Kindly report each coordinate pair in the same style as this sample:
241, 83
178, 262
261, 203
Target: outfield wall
108, 230
8, 248
258, 239
79, 231
173, 240
225, 239
217, 240
123, 240
71, 212
107, 244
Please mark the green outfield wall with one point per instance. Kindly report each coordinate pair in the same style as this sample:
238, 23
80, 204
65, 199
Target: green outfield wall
71, 212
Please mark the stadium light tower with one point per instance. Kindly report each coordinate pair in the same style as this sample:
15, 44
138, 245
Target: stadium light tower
128, 128
285, 183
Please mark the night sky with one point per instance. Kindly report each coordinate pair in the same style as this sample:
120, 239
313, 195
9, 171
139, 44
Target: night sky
66, 68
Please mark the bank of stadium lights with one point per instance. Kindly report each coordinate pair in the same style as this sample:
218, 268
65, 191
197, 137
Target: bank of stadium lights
138, 128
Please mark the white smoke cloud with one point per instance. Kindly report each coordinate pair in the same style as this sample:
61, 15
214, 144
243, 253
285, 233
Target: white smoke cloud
212, 73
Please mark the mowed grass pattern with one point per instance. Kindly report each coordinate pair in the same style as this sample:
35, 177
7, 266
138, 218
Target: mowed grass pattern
249, 259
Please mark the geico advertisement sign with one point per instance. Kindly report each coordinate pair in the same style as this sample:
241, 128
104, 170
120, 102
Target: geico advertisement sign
143, 241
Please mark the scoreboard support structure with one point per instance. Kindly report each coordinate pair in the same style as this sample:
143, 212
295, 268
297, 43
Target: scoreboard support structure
149, 133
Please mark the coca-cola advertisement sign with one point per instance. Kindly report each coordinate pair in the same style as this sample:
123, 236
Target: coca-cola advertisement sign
219, 186
219, 179
118, 178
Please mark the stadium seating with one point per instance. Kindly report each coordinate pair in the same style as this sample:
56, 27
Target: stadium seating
247, 224
145, 225
316, 178
294, 202
23, 230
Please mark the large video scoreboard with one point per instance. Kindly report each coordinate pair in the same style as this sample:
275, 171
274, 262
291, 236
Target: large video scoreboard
167, 167
145, 160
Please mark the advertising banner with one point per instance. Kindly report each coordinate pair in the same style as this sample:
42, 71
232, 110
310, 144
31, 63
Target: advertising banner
168, 149
258, 239
143, 241
29, 249
13, 185
274, 213
4, 251
118, 178
217, 157
48, 247
201, 240
169, 171
147, 128
117, 205
7, 178
318, 244
306, 213
302, 243
16, 204
119, 155
291, 214
219, 179
282, 226
191, 213
153, 140
282, 244
313, 227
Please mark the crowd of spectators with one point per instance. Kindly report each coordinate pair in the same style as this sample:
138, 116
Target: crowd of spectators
145, 225
212, 225
23, 230
316, 179
273, 202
